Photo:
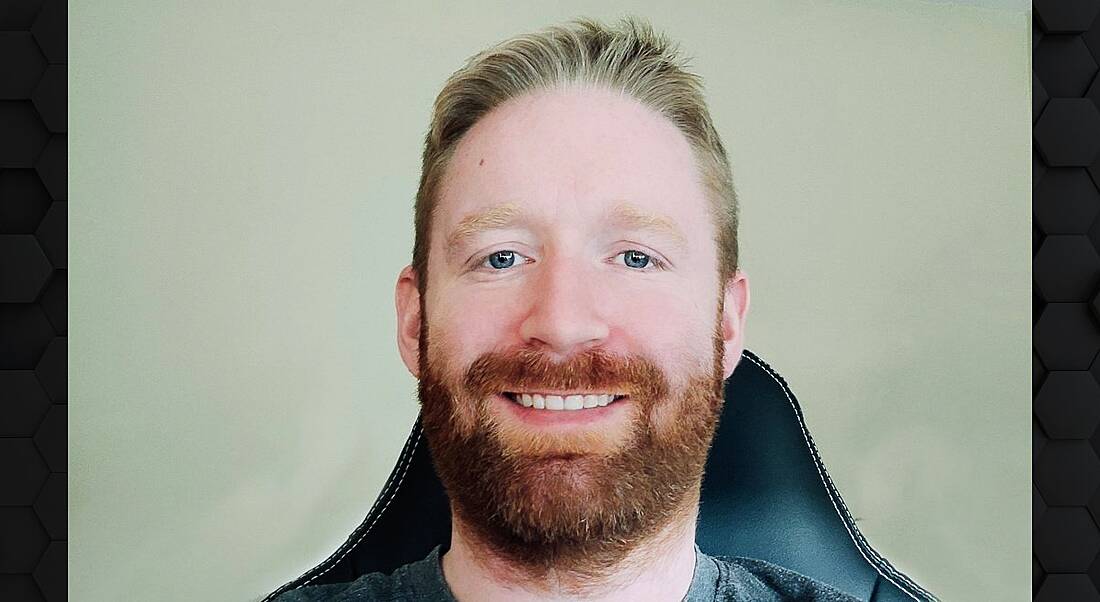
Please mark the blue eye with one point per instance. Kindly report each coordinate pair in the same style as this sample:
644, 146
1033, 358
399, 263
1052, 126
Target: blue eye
640, 261
501, 259
636, 259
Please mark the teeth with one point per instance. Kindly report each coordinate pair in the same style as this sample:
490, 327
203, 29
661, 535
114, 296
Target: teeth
558, 402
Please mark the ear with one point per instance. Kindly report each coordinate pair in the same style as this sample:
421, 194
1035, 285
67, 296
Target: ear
736, 307
407, 299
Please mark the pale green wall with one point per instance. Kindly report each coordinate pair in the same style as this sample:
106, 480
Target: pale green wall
242, 178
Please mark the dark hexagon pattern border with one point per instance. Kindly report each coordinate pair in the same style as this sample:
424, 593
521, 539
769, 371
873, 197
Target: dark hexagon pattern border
1065, 300
33, 300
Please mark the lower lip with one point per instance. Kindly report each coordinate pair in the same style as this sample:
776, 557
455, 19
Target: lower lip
537, 417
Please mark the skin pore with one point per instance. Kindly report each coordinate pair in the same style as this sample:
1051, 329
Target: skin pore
572, 252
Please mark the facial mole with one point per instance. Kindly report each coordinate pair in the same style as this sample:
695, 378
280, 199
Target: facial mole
481, 162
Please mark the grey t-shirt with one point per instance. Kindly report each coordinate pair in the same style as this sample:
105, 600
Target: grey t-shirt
716, 579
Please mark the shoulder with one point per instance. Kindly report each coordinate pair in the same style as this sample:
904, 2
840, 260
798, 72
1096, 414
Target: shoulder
420, 580
375, 586
750, 578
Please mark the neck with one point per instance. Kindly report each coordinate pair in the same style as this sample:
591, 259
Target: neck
659, 568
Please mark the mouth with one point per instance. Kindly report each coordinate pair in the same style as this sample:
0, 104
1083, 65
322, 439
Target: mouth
563, 402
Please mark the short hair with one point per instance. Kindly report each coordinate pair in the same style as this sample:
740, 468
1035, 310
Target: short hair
630, 58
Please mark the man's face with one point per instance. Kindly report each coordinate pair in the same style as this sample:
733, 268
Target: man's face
572, 263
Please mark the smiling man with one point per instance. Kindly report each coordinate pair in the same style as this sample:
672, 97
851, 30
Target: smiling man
572, 310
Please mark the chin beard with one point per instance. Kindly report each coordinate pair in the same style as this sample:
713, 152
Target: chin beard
559, 506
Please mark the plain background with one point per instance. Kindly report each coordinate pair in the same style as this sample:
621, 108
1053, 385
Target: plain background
243, 177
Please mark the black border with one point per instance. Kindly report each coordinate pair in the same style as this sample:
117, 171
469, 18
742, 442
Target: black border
1066, 300
33, 299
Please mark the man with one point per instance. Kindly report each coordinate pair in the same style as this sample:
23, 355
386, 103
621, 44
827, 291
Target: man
572, 310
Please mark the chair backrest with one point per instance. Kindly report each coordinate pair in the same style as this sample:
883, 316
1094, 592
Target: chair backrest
765, 495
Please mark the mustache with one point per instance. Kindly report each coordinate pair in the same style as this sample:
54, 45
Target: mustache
527, 369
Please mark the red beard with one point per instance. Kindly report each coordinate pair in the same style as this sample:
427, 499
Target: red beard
576, 503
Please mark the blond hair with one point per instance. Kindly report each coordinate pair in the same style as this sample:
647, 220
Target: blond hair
630, 58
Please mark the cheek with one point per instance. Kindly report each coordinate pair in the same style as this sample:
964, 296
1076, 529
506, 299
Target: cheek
675, 329
673, 317
661, 316
471, 322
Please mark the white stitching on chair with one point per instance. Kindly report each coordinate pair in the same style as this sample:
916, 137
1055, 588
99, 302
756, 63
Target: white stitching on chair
388, 494
878, 562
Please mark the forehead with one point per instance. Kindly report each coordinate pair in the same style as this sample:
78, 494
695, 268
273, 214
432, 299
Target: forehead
574, 153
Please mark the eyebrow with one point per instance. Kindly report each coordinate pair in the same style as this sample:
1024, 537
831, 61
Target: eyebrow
493, 218
508, 214
634, 218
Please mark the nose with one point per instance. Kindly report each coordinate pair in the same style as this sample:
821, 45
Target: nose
566, 311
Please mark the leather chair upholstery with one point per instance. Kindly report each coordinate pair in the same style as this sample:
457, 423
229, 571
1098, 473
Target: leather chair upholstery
765, 495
